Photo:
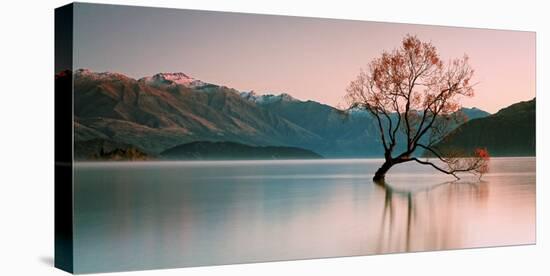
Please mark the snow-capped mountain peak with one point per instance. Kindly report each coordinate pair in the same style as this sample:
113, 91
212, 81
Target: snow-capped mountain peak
267, 98
177, 78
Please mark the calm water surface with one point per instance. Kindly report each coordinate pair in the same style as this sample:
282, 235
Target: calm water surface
170, 214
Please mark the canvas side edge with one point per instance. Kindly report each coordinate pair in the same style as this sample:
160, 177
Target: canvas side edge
64, 230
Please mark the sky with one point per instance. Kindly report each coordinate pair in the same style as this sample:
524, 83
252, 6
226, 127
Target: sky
308, 58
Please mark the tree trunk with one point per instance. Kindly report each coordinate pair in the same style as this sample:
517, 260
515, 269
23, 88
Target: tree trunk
380, 174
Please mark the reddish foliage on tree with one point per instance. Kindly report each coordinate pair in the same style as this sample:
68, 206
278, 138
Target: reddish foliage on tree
482, 155
412, 85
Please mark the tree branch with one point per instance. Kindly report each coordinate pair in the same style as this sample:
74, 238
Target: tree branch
381, 128
452, 172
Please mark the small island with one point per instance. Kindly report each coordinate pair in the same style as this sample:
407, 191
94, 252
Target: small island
204, 150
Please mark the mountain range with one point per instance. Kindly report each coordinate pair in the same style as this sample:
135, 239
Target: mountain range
166, 110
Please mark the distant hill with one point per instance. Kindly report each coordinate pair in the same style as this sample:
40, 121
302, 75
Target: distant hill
343, 135
234, 151
509, 132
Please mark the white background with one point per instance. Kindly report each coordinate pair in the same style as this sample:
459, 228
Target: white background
27, 141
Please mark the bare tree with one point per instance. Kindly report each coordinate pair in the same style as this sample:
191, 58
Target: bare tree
410, 89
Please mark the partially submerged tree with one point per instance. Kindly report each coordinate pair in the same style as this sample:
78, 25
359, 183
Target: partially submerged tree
410, 89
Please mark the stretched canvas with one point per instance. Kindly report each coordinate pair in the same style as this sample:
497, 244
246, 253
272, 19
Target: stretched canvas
192, 138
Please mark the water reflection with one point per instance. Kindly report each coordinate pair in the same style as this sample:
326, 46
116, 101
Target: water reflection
422, 216
153, 215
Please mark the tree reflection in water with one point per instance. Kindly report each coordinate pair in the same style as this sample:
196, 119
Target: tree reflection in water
426, 218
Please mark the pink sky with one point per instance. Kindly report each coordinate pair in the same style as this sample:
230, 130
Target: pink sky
309, 58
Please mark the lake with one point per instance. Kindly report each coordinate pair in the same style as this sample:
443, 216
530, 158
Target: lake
147, 215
